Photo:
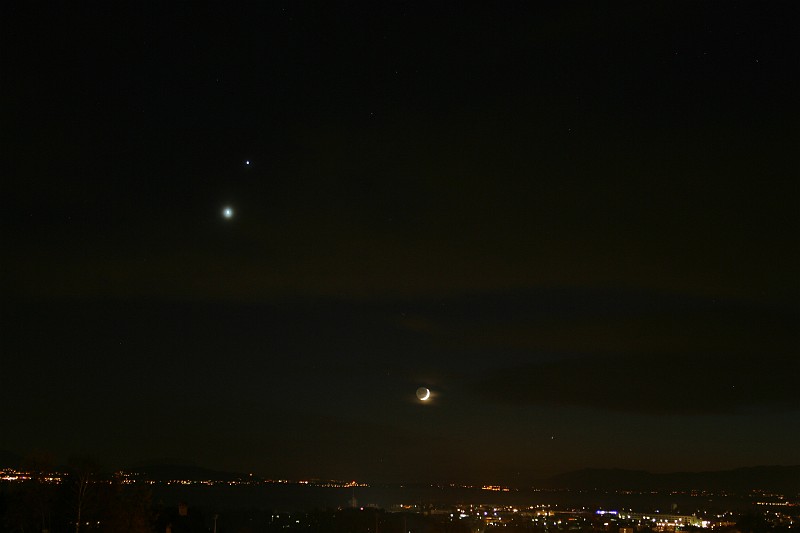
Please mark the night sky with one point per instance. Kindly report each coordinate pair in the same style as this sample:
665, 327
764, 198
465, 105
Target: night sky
575, 222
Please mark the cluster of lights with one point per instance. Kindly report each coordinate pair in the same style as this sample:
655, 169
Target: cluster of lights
128, 478
544, 516
496, 488
11, 475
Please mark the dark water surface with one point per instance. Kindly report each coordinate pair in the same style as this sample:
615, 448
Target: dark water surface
292, 497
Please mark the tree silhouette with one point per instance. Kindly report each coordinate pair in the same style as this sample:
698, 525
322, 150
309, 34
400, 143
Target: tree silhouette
31, 503
82, 477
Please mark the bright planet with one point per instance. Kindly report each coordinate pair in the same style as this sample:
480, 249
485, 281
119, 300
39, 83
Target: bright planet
423, 393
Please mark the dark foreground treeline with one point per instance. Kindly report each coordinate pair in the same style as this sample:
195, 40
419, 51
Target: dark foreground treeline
76, 504
79, 505
84, 501
100, 506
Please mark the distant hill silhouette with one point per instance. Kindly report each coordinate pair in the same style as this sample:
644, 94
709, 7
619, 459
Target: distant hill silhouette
166, 472
9, 459
784, 479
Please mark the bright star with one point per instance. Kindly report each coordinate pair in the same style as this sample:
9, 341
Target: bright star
247, 162
227, 212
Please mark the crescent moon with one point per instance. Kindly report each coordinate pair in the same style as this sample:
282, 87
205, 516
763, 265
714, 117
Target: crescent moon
423, 393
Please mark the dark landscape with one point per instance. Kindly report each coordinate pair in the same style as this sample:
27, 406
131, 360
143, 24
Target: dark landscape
399, 266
